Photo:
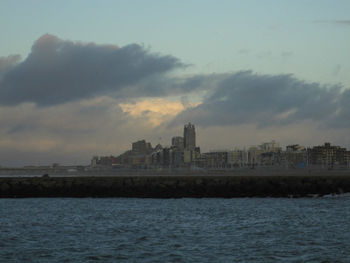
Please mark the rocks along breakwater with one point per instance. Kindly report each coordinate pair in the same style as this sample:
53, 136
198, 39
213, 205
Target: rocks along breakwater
165, 186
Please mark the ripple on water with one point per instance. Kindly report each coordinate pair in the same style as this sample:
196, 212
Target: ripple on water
175, 230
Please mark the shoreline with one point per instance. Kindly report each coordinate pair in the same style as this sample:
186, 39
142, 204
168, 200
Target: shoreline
261, 171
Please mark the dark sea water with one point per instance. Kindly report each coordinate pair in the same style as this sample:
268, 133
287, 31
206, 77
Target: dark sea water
175, 230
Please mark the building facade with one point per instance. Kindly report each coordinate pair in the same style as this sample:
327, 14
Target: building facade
328, 156
177, 142
189, 137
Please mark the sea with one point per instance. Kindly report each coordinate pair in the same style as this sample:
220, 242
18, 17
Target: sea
175, 230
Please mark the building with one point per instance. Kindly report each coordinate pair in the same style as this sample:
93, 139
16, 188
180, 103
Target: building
138, 157
328, 156
270, 147
217, 159
190, 153
161, 156
177, 152
189, 137
141, 147
237, 158
254, 154
184, 154
189, 156
266, 154
177, 142
176, 157
295, 156
103, 161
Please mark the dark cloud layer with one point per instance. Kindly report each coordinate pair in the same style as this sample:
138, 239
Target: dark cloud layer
335, 22
341, 118
342, 22
6, 63
267, 100
57, 71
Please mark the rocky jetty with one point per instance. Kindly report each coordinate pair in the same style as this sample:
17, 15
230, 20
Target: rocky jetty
145, 186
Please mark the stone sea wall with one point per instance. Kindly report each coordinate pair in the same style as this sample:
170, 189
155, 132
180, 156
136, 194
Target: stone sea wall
166, 186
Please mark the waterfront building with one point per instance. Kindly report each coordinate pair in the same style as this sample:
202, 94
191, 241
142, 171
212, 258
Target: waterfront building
266, 154
328, 156
200, 160
217, 159
98, 161
178, 142
270, 147
237, 158
295, 156
271, 159
176, 157
138, 157
183, 153
189, 136
157, 155
141, 147
94, 161
188, 156
254, 156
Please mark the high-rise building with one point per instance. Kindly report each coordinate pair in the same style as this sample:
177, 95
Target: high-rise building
189, 136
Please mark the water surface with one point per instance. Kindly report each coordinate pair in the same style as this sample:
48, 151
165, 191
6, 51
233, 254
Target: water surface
175, 230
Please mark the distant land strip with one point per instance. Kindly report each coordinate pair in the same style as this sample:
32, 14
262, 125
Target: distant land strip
176, 186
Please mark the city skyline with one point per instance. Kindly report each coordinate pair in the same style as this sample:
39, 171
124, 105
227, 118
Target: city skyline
184, 155
87, 78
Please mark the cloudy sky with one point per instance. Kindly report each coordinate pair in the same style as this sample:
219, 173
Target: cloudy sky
83, 78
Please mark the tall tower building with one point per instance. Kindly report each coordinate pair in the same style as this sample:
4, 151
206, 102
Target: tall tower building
189, 136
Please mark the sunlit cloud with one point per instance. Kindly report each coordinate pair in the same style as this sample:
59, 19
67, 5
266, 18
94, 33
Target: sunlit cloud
155, 110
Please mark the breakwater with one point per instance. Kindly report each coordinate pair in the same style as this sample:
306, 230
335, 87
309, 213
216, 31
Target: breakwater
175, 186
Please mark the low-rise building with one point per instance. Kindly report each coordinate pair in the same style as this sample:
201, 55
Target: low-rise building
295, 156
328, 156
237, 158
103, 161
217, 159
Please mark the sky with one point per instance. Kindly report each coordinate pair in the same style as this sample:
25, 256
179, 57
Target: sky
83, 78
